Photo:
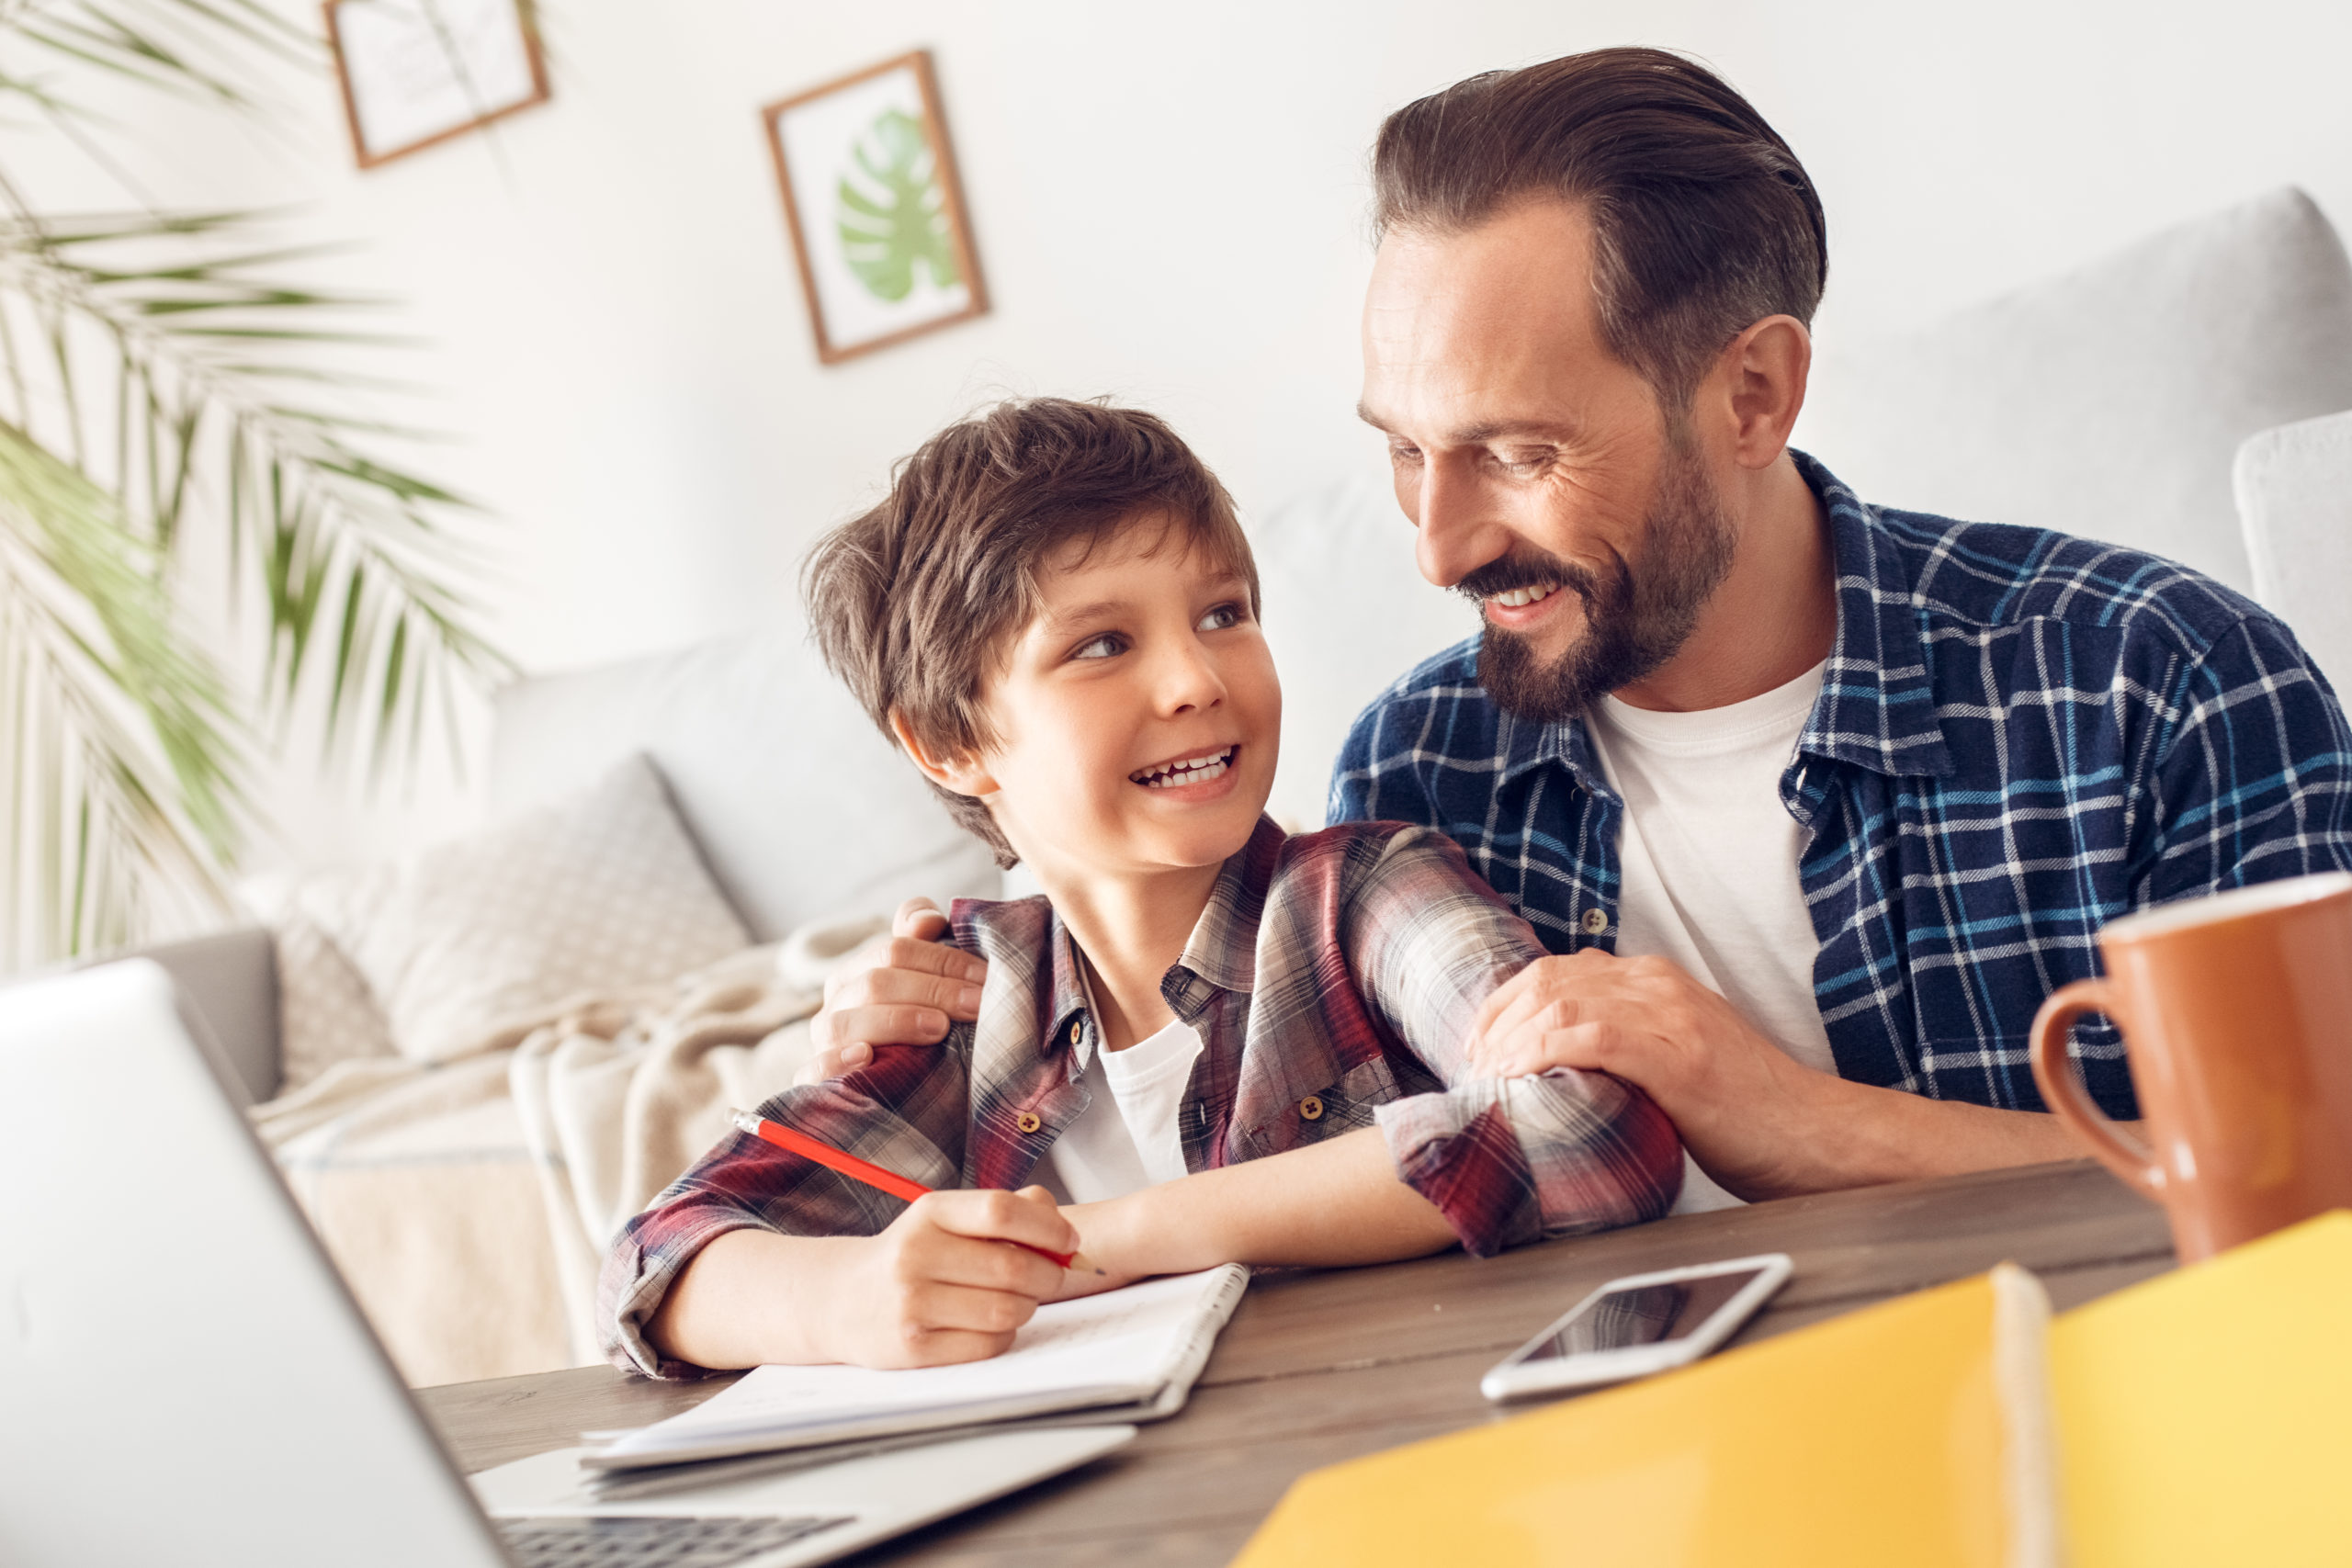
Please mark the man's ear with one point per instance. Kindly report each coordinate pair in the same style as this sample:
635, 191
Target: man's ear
1766, 368
964, 775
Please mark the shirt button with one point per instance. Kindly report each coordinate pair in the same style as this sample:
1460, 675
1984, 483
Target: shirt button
1073, 1031
1595, 921
1028, 1121
1311, 1107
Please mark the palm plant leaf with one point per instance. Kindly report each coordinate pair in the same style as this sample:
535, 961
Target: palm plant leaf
118, 730
193, 47
168, 386
272, 449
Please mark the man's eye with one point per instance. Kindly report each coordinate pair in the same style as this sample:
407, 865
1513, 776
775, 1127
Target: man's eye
1218, 619
1105, 646
1404, 454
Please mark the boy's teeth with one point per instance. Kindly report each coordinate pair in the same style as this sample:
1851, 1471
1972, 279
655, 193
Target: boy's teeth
1187, 770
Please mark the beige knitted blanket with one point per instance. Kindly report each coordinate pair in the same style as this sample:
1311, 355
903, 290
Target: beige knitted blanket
469, 1205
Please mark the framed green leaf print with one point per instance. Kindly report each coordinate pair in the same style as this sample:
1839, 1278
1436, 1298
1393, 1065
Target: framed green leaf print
876, 215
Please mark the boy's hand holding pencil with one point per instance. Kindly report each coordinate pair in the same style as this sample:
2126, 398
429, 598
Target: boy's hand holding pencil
889, 1181
940, 1284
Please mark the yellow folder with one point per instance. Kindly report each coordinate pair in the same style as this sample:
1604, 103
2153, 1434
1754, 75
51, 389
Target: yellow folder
1908, 1434
2202, 1417
2205, 1417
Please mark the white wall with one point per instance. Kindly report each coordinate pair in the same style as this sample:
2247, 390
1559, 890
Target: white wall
1168, 205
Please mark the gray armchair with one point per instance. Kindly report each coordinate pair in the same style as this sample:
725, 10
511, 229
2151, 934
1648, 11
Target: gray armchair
230, 981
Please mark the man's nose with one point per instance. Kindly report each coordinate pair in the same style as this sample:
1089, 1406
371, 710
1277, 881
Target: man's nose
1455, 532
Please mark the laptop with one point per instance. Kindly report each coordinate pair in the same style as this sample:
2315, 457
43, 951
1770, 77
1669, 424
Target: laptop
183, 1378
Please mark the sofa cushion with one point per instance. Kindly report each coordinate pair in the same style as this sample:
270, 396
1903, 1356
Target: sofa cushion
1346, 612
803, 811
468, 943
326, 1013
2294, 487
2107, 402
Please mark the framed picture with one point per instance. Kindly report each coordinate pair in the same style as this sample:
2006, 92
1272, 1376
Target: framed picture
876, 215
419, 72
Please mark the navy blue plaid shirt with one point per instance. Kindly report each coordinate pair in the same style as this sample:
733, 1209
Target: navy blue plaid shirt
2021, 736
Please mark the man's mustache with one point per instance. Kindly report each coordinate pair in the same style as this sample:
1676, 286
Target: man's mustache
1538, 569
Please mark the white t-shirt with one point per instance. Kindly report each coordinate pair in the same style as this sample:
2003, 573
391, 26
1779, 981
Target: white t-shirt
1126, 1137
1709, 856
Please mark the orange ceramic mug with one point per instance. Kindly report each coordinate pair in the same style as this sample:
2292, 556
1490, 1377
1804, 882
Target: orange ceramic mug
2236, 1013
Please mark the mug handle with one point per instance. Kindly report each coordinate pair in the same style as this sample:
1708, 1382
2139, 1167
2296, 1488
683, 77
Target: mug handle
2062, 1091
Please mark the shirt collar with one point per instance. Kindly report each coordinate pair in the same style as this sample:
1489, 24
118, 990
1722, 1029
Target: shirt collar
1526, 746
1065, 1007
1221, 954
1877, 708
1223, 949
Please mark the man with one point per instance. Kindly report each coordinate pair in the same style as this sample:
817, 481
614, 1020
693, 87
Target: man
1811, 803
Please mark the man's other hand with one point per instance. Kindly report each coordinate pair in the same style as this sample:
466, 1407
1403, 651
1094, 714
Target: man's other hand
1749, 1115
902, 989
1761, 1123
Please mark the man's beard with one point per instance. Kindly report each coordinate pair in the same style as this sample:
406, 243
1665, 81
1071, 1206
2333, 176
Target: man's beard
1635, 620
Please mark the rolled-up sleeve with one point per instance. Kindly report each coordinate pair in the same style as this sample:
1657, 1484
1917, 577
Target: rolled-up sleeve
904, 1111
1506, 1160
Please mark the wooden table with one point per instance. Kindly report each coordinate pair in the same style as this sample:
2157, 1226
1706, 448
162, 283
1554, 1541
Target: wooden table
1318, 1368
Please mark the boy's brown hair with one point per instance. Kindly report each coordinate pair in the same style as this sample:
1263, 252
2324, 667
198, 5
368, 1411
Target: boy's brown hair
915, 604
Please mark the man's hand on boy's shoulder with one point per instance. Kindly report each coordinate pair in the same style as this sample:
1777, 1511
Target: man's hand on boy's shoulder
900, 990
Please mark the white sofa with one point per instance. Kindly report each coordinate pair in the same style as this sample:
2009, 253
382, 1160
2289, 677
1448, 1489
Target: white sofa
2111, 402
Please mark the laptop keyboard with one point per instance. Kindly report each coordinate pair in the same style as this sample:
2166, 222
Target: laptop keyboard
638, 1540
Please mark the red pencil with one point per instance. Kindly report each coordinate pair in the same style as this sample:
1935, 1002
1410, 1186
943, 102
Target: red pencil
873, 1175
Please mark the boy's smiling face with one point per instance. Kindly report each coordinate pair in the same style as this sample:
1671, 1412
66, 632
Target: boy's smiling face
1137, 716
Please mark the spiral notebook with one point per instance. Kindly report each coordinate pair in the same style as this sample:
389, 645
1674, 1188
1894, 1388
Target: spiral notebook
1125, 1355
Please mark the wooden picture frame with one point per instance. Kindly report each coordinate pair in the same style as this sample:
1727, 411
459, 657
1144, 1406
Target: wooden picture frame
408, 71
877, 221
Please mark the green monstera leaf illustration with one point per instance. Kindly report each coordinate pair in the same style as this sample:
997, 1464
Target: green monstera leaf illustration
890, 211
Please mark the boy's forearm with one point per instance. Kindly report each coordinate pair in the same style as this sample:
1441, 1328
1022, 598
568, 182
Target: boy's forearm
1331, 1206
750, 1297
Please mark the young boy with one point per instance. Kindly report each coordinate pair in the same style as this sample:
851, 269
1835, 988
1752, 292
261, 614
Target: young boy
1208, 1042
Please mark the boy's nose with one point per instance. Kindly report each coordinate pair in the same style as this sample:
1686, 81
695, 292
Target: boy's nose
1188, 680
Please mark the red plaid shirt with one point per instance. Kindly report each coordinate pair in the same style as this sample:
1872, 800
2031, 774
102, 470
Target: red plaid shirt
1333, 980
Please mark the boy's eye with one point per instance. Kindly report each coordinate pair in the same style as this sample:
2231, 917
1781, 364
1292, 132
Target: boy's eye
1105, 646
1218, 619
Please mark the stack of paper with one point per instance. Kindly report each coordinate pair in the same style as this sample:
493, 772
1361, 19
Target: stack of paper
1125, 1355
2204, 1416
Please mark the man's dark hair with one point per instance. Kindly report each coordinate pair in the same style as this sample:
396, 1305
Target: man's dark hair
1703, 221
916, 603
